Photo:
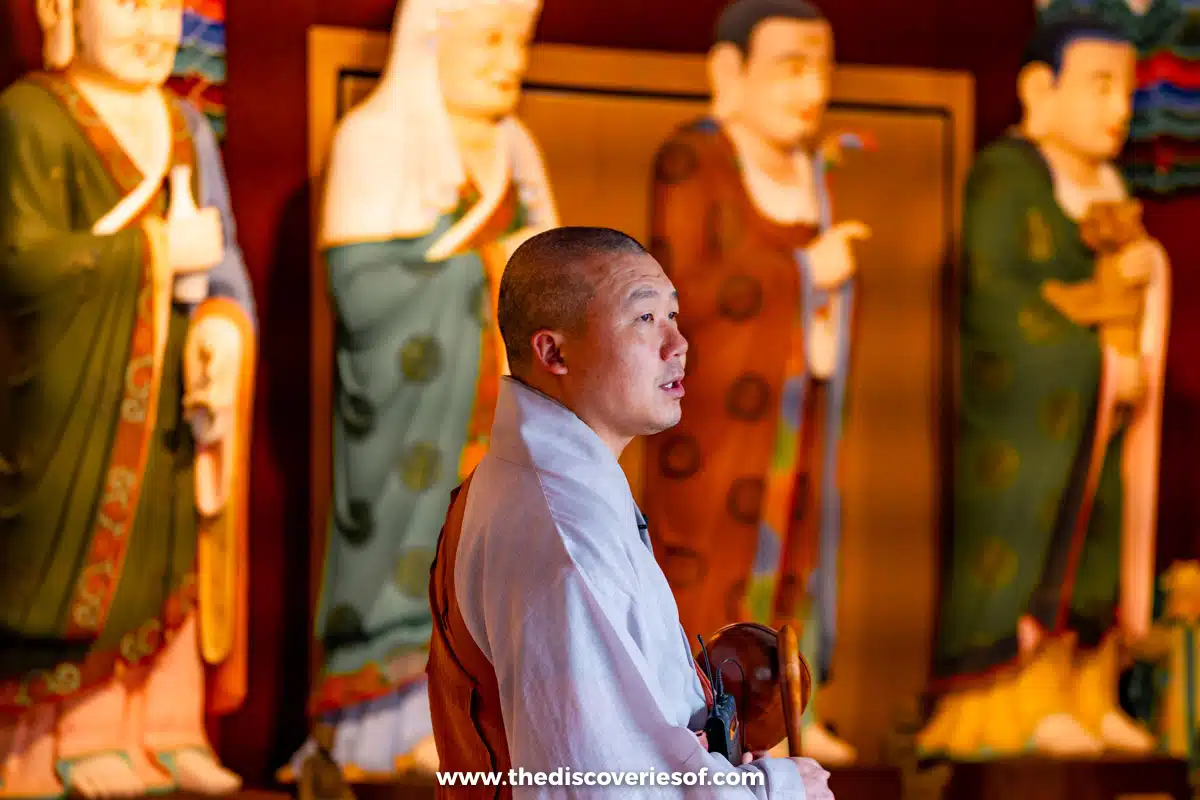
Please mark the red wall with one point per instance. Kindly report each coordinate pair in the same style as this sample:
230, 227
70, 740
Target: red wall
266, 158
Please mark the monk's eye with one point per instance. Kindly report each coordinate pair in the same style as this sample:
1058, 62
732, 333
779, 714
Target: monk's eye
646, 317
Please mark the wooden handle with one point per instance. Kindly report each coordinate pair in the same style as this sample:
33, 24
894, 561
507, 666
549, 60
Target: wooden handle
795, 683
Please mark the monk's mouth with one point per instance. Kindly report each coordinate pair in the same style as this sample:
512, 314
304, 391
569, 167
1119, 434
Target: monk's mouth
673, 388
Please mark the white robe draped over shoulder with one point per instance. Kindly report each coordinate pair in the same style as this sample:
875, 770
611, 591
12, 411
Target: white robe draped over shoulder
559, 587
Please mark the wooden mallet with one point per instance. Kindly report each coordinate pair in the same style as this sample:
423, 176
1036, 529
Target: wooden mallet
763, 671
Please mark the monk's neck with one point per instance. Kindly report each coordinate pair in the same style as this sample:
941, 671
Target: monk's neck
775, 162
551, 388
479, 144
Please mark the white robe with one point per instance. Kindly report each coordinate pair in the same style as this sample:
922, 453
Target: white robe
559, 587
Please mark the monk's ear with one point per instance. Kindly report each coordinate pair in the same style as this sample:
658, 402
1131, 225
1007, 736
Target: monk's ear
725, 76
547, 351
1035, 88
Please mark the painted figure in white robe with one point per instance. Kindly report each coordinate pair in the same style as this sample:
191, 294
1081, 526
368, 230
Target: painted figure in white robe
432, 182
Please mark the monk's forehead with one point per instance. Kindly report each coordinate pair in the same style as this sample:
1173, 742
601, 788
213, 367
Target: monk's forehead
617, 277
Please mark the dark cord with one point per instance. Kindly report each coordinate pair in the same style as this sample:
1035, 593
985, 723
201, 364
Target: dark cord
736, 664
745, 686
713, 680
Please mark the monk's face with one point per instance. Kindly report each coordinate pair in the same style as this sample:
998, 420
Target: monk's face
1091, 100
785, 80
626, 366
482, 55
132, 42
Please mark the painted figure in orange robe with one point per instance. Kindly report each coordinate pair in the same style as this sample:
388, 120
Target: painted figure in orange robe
742, 496
128, 321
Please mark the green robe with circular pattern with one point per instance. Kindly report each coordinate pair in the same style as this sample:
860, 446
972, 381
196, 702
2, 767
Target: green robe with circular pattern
407, 366
1029, 389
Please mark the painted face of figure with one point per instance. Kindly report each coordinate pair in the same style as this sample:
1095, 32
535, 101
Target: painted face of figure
482, 55
626, 367
1092, 99
133, 42
786, 79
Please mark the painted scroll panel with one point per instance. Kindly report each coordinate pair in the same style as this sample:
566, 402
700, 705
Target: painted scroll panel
599, 116
199, 71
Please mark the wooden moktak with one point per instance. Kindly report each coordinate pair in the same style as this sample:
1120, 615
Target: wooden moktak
769, 680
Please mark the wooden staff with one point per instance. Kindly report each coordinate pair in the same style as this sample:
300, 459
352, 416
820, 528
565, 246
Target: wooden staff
795, 683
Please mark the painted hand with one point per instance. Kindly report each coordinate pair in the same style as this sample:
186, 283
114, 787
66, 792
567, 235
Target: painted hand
1130, 379
831, 255
195, 243
1138, 261
510, 243
211, 363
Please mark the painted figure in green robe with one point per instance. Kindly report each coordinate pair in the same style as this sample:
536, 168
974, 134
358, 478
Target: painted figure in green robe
1051, 562
431, 184
127, 344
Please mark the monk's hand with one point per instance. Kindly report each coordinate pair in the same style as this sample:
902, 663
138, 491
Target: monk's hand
748, 757
195, 243
815, 779
831, 255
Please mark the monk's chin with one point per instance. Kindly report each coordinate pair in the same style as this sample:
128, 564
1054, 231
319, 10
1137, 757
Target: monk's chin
666, 422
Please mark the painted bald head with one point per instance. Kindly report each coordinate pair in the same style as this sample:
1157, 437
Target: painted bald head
589, 317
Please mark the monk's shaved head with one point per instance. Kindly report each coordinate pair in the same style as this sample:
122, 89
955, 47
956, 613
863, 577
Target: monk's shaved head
549, 282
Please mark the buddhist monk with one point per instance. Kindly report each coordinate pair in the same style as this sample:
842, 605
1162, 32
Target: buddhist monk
557, 642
